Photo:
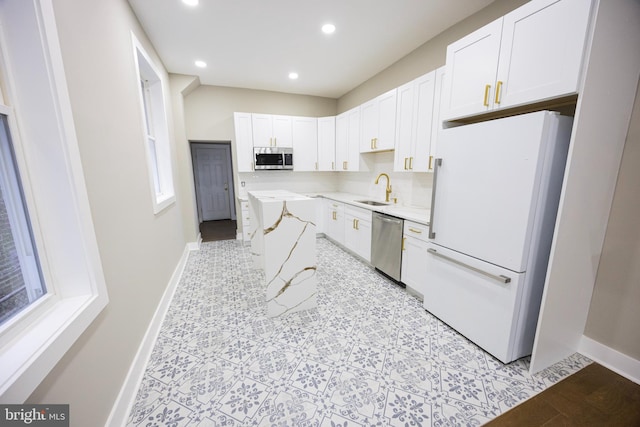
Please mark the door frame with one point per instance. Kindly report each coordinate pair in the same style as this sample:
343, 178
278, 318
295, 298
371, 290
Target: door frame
193, 145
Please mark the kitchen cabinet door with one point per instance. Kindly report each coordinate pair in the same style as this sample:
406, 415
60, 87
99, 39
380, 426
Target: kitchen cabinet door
354, 160
342, 141
262, 128
414, 256
305, 143
334, 220
327, 143
541, 52
282, 131
414, 120
271, 130
423, 119
404, 127
378, 123
244, 141
414, 267
357, 231
471, 71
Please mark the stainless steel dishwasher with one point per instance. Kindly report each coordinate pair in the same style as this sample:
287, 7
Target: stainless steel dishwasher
386, 244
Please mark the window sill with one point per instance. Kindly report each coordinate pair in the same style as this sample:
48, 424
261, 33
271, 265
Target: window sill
29, 357
162, 202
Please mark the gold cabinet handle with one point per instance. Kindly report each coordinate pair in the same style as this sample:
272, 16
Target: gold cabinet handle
333, 215
357, 224
375, 143
486, 95
275, 142
344, 165
413, 230
410, 163
403, 240
430, 162
371, 144
405, 163
498, 87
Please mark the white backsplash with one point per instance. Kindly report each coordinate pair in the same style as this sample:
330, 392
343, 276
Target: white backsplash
410, 188
297, 182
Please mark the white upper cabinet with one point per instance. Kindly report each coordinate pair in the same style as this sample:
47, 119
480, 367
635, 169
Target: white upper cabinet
531, 54
471, 71
378, 123
348, 156
305, 143
541, 51
342, 140
244, 141
414, 120
326, 143
272, 131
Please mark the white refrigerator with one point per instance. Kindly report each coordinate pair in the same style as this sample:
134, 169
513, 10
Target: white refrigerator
496, 188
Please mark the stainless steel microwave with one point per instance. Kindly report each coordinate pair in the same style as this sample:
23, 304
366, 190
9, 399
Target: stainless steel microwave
273, 158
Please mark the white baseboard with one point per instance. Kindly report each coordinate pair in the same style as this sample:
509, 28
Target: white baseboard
124, 402
612, 359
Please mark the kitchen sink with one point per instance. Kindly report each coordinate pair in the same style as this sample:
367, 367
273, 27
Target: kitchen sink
372, 202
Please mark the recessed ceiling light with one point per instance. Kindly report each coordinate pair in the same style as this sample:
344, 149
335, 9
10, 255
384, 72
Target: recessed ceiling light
190, 2
328, 28
293, 76
201, 64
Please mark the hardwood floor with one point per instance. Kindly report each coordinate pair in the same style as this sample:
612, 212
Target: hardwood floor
593, 396
224, 229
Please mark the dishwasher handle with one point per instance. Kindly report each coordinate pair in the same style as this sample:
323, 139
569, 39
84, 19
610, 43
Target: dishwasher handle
388, 219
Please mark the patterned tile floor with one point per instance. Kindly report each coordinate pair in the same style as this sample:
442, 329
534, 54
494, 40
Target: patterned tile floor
370, 355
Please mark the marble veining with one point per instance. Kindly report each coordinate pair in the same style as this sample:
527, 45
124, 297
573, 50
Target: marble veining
368, 355
283, 246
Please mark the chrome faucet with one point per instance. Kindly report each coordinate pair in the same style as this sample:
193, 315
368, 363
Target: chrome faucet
388, 189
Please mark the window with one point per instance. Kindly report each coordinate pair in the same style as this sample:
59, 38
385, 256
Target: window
156, 133
20, 279
45, 196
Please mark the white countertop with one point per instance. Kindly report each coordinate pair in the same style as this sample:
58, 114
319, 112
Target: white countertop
277, 195
417, 214
411, 213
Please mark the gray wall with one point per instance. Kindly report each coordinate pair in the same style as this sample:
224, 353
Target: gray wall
614, 316
138, 250
209, 109
427, 57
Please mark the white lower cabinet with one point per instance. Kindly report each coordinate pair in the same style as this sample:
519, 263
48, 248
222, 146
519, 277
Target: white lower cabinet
246, 220
414, 256
334, 220
357, 231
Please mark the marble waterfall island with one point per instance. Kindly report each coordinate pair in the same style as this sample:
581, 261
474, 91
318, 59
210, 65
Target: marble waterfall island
283, 245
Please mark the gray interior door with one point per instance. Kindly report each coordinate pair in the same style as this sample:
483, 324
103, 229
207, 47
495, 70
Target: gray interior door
212, 182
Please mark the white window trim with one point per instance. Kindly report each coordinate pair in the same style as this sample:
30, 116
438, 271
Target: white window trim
158, 162
48, 158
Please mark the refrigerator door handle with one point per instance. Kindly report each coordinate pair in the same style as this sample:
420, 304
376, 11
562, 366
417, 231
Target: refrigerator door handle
436, 166
501, 278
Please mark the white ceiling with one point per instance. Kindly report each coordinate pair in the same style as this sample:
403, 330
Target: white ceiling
256, 43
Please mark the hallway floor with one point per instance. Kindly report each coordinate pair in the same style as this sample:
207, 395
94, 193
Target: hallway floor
224, 229
368, 355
